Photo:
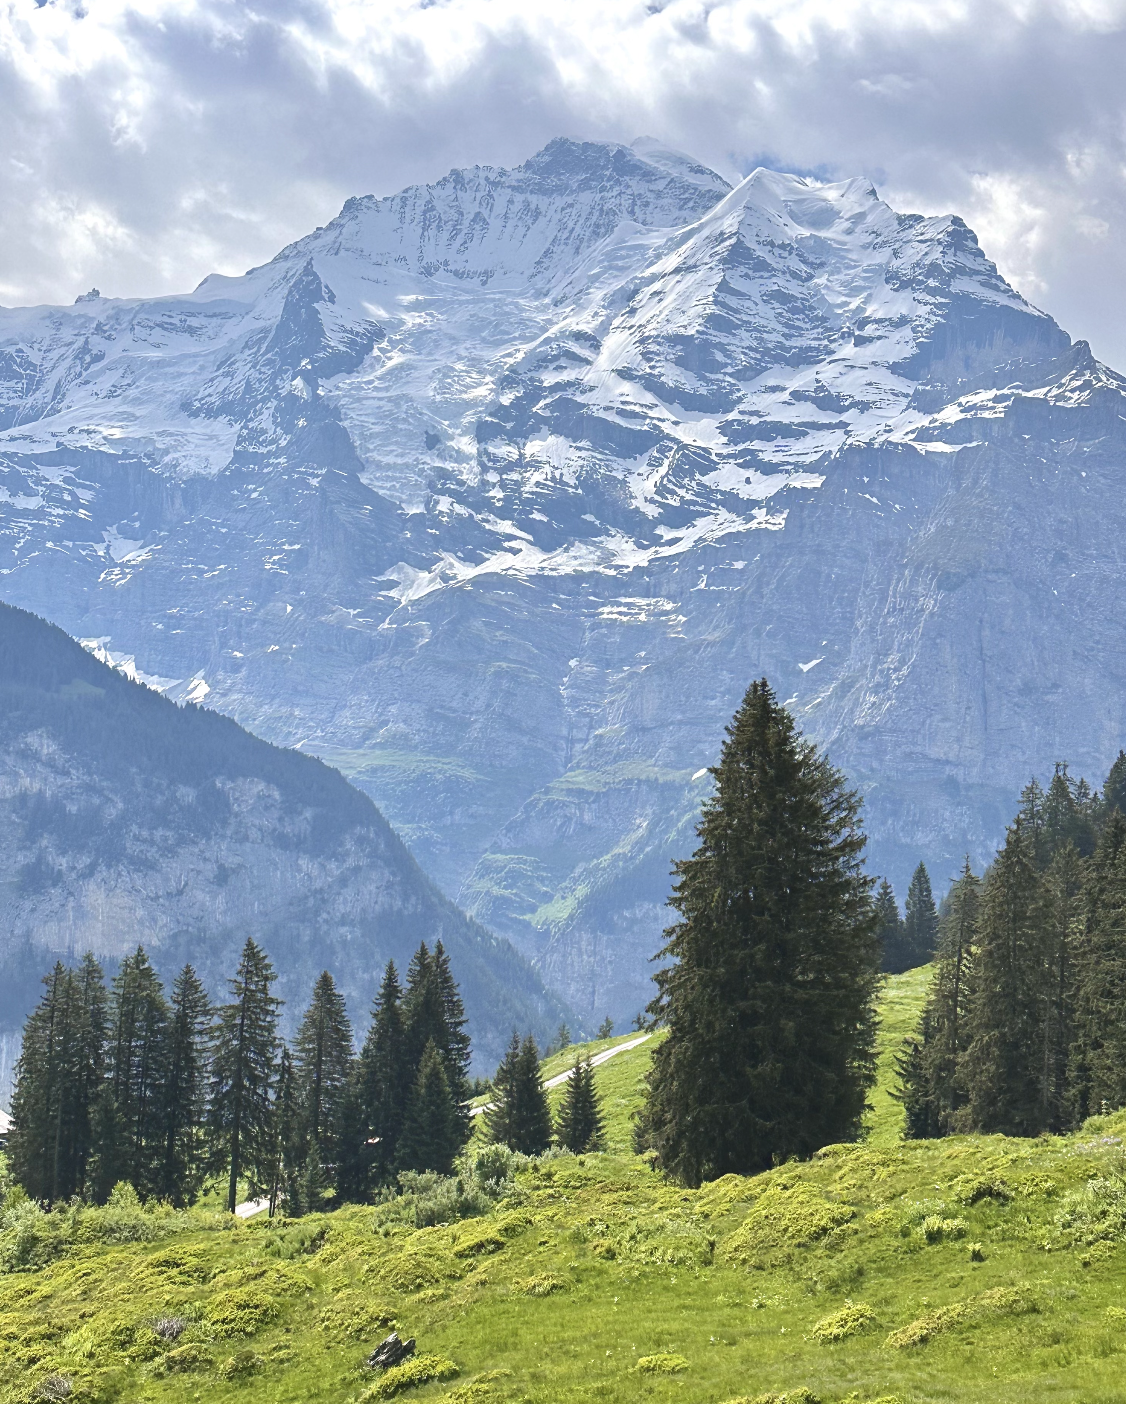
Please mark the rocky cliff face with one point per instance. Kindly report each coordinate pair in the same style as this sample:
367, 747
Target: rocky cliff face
125, 819
498, 492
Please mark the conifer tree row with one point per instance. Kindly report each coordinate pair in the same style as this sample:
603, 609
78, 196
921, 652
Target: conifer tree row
1024, 1028
163, 1092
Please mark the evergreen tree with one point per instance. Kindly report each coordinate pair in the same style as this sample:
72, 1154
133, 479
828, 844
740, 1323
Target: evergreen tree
920, 921
1067, 820
55, 1088
1001, 1072
185, 1091
289, 1142
454, 1044
383, 1085
433, 1013
944, 1029
520, 1117
431, 1134
423, 1016
243, 1067
913, 1090
323, 1067
580, 1126
889, 931
606, 1028
769, 997
1114, 791
130, 1141
1059, 922
1098, 1057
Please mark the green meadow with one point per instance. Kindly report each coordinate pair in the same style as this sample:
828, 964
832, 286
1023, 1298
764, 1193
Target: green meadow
970, 1269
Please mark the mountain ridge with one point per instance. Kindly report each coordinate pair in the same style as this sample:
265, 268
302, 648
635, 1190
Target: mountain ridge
126, 820
499, 496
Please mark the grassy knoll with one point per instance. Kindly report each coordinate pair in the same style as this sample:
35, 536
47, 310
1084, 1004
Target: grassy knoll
978, 1270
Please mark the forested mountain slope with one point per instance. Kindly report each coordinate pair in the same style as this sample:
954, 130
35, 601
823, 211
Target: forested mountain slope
127, 819
497, 493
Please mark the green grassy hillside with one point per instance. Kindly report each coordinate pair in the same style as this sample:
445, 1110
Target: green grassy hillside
974, 1269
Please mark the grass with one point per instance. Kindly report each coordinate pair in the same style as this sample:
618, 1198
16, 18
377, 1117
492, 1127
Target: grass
977, 1270
901, 1003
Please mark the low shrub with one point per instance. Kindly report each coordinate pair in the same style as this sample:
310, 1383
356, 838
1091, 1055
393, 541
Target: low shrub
1095, 1213
801, 1395
936, 1229
784, 1219
853, 1319
354, 1319
999, 1301
540, 1286
661, 1364
241, 1366
480, 1388
239, 1312
184, 1360
419, 1370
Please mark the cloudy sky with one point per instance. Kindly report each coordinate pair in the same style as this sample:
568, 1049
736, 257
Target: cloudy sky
146, 143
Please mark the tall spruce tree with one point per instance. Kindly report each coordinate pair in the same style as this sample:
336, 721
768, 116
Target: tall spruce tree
431, 1134
454, 1044
1059, 920
243, 1067
423, 1016
944, 1029
131, 1114
580, 1126
913, 1089
323, 1058
1000, 1068
769, 995
1070, 814
1114, 791
519, 1116
920, 921
889, 931
1098, 1055
58, 1078
185, 1091
384, 1079
289, 1142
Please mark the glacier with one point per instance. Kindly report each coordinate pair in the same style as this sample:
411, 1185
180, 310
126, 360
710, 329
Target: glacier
496, 493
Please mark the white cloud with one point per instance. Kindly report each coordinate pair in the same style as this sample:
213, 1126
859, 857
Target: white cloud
148, 142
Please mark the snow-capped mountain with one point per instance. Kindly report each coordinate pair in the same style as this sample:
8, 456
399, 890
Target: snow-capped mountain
496, 493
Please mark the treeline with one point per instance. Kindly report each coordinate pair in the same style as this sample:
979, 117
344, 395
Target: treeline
163, 1091
1024, 1028
910, 940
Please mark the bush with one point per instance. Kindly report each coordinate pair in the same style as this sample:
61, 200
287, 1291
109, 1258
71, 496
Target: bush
355, 1319
784, 1219
539, 1286
852, 1320
801, 1395
938, 1230
240, 1312
661, 1364
241, 1366
480, 1388
999, 1301
31, 1237
1097, 1212
419, 1370
183, 1360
